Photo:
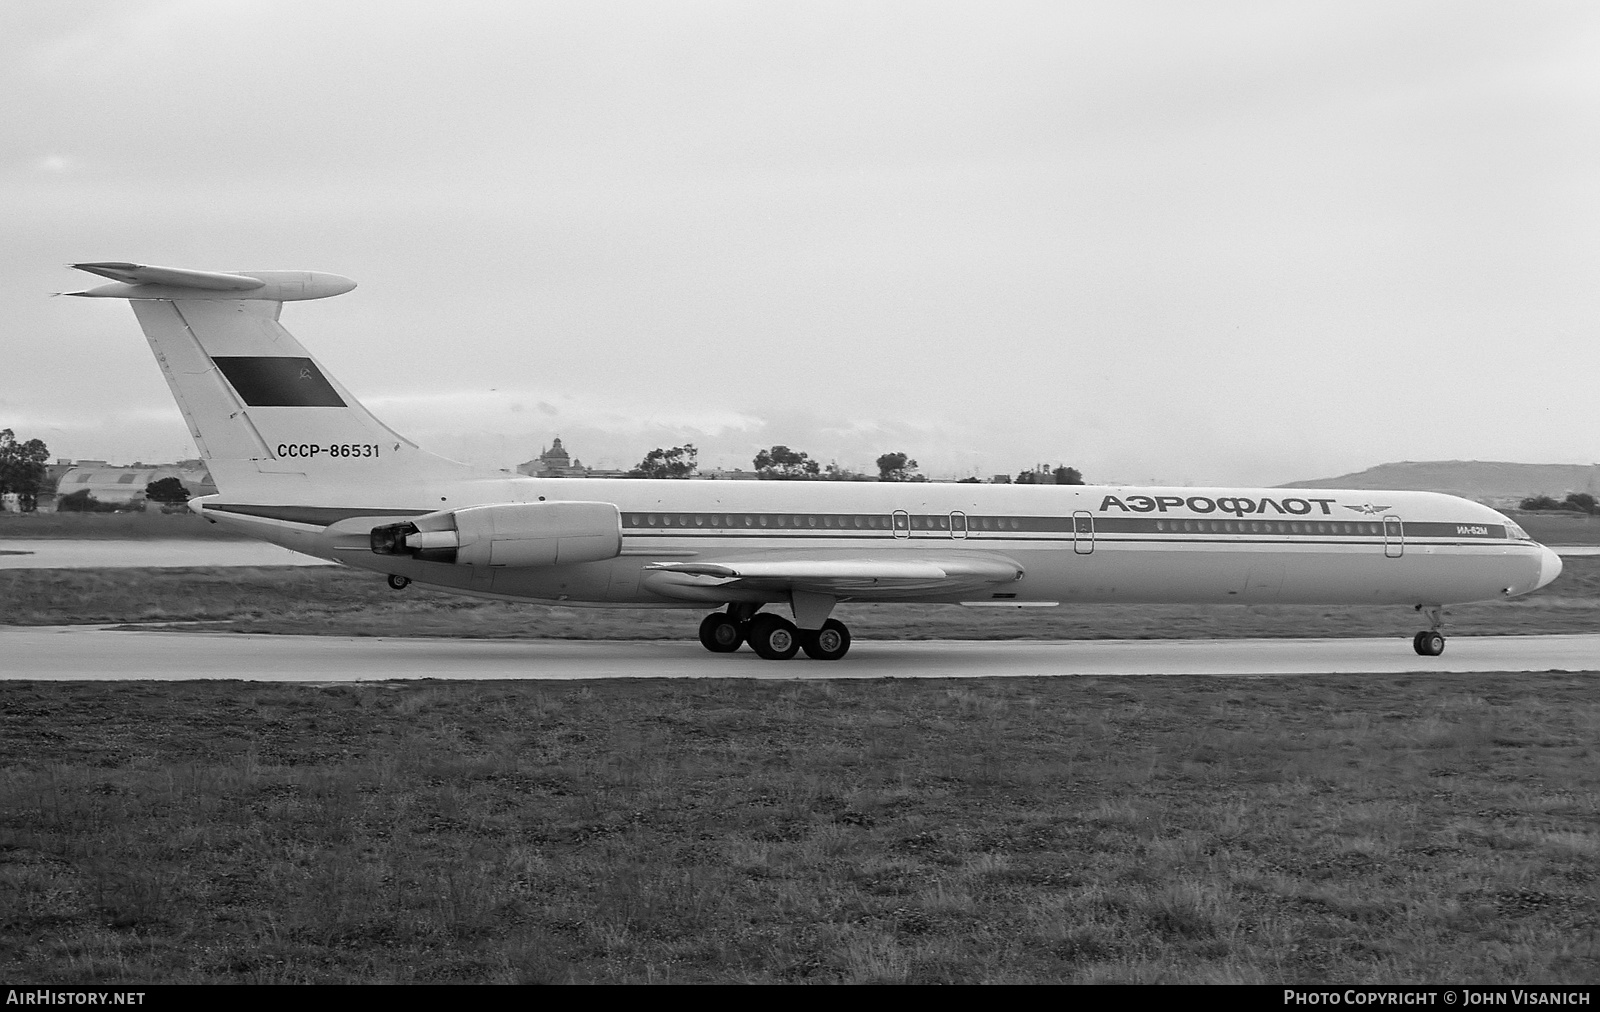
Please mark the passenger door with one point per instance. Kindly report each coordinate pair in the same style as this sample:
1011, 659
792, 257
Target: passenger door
1394, 537
1083, 532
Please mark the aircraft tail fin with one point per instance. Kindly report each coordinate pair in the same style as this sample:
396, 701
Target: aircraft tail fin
262, 410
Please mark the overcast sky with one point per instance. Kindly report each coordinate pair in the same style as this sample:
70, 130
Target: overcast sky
1189, 242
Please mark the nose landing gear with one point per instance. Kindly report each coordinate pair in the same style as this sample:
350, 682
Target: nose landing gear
1430, 641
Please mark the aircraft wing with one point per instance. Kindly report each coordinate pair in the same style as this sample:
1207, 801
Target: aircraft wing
858, 578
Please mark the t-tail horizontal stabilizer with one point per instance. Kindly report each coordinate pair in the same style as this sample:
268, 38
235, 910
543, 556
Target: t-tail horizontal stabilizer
139, 281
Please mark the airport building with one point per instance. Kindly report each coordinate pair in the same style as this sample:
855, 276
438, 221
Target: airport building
726, 474
123, 485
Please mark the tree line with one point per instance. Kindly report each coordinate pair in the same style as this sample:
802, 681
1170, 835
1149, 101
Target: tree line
776, 463
1576, 502
22, 469
783, 463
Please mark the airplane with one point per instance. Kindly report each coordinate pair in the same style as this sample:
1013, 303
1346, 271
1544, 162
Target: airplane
300, 463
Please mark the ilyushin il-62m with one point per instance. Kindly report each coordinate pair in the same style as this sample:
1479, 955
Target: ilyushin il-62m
300, 463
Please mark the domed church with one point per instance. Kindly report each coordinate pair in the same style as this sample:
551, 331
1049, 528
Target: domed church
553, 463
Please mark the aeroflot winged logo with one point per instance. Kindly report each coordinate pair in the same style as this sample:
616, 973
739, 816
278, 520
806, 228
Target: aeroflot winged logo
1367, 508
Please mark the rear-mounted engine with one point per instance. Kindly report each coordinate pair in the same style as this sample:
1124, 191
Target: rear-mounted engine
508, 534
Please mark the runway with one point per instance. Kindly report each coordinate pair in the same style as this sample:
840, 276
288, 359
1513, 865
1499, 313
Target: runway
60, 653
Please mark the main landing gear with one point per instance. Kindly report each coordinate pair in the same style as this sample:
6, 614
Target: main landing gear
1430, 641
772, 637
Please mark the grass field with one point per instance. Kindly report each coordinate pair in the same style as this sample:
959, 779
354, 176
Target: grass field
1326, 829
112, 526
1559, 528
351, 603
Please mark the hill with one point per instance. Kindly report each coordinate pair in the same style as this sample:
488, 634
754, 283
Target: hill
1497, 483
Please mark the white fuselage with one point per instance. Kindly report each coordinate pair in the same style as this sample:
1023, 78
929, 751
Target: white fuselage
1072, 543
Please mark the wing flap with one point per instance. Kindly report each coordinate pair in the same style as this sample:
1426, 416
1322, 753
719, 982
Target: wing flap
841, 569
854, 578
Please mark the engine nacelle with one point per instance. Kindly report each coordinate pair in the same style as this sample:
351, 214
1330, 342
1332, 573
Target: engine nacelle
508, 534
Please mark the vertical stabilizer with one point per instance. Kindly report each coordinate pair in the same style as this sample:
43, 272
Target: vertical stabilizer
264, 413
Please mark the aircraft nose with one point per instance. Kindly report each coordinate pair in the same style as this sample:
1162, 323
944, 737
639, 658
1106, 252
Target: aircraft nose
1549, 567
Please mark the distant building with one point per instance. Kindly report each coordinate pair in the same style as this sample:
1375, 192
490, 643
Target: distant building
109, 483
726, 474
46, 500
53, 472
554, 462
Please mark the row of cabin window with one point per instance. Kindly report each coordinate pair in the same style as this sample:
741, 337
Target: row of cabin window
940, 522
1265, 527
809, 520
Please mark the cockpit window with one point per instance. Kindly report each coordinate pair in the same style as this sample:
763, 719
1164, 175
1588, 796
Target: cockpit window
1516, 533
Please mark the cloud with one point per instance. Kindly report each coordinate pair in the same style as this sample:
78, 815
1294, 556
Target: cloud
57, 164
1148, 239
466, 409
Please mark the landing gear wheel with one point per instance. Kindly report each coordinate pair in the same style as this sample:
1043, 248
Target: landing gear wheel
720, 634
399, 582
1428, 643
773, 638
829, 643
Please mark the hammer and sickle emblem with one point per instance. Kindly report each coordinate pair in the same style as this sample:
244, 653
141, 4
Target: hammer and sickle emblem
305, 374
